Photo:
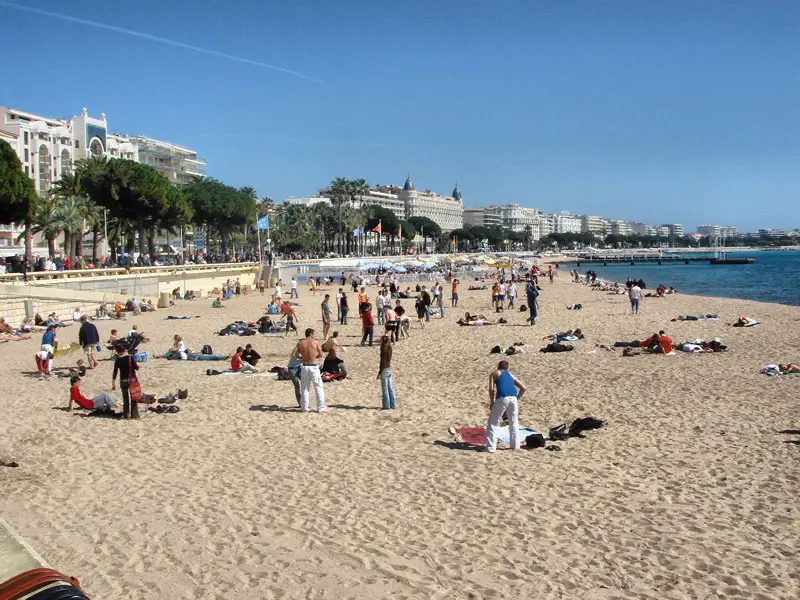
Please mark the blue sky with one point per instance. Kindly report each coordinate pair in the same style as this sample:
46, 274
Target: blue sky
662, 111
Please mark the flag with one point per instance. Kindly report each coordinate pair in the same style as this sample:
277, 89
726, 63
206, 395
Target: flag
358, 232
398, 232
377, 228
262, 223
453, 242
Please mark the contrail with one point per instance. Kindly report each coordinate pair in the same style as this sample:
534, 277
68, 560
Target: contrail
155, 38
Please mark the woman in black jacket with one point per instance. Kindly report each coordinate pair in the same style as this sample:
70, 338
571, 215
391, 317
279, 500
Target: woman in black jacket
126, 367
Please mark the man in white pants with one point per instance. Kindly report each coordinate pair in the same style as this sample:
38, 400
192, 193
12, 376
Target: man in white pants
504, 391
311, 353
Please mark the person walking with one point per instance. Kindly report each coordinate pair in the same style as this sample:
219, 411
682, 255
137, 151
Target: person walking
293, 289
454, 294
512, 294
532, 294
88, 338
326, 316
505, 390
125, 366
291, 319
368, 324
311, 352
425, 296
339, 305
635, 293
380, 302
441, 300
344, 309
389, 402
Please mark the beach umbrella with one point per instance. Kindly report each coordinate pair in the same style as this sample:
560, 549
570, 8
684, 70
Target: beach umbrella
397, 269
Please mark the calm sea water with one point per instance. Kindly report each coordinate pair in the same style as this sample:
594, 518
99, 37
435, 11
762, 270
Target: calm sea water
775, 277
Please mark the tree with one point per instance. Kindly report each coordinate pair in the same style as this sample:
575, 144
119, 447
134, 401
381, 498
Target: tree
72, 208
221, 207
387, 219
18, 201
45, 223
427, 228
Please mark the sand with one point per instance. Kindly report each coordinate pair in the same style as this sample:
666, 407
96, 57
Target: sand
690, 492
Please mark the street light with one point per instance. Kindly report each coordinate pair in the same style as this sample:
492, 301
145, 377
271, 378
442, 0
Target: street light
105, 234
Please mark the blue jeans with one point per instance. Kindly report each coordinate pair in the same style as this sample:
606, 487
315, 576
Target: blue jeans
381, 316
441, 308
387, 389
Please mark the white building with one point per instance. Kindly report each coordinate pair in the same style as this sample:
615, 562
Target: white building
48, 148
717, 230
674, 229
547, 225
516, 217
567, 223
309, 201
779, 233
637, 228
592, 224
178, 164
619, 227
446, 211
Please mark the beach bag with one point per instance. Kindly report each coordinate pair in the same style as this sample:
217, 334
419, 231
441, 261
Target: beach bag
534, 440
207, 349
585, 424
331, 376
134, 387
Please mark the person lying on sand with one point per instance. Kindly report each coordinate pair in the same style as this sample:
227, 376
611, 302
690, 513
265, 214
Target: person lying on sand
476, 321
570, 335
789, 368
104, 401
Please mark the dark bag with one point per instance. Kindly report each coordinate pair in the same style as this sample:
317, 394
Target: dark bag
207, 349
586, 424
283, 374
534, 440
556, 347
248, 331
496, 350
523, 308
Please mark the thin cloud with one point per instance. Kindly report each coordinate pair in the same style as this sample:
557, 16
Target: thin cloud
155, 38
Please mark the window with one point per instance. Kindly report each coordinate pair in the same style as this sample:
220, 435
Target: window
26, 137
77, 143
27, 171
26, 154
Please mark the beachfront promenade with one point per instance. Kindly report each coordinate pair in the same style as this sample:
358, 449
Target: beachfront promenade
689, 492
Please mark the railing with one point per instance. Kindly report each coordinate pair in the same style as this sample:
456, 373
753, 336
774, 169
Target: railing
34, 276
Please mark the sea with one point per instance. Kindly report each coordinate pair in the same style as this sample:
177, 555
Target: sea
774, 277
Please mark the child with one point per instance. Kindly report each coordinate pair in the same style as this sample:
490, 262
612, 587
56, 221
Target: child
44, 361
113, 340
103, 401
79, 369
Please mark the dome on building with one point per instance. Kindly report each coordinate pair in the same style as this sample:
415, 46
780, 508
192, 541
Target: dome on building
457, 193
408, 185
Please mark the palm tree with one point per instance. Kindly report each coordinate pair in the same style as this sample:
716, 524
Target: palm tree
44, 223
340, 195
358, 188
69, 191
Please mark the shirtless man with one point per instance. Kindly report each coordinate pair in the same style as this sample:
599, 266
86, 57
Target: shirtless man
311, 352
475, 321
334, 360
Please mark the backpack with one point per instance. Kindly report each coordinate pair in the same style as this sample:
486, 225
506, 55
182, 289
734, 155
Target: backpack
556, 347
207, 349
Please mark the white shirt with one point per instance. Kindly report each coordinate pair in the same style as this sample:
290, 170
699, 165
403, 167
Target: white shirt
2, 269
76, 316
636, 293
379, 301
512, 290
294, 284
278, 291
338, 299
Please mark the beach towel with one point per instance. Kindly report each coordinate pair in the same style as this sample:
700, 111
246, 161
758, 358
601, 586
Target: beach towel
477, 435
746, 322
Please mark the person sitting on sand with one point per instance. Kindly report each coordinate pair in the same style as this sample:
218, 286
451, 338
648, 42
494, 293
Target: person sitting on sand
265, 324
113, 340
103, 402
217, 303
178, 350
658, 343
250, 355
5, 327
333, 363
238, 365
76, 316
39, 321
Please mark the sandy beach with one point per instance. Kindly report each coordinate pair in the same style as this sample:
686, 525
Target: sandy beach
690, 492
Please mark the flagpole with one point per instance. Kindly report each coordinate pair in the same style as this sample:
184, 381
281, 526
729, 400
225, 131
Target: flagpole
380, 231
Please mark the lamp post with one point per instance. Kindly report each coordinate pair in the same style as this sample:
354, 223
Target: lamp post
105, 234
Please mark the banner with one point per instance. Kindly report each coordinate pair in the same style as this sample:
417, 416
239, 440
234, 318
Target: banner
262, 223
377, 228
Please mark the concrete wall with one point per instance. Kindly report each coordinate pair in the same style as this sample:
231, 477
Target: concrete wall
88, 290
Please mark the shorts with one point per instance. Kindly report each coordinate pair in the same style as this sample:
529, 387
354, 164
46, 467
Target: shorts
501, 298
391, 325
89, 350
454, 297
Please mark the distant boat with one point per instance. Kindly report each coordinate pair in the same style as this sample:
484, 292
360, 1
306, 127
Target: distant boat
732, 261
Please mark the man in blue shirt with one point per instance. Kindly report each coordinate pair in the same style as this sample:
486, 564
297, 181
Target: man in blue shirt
49, 337
532, 294
504, 392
